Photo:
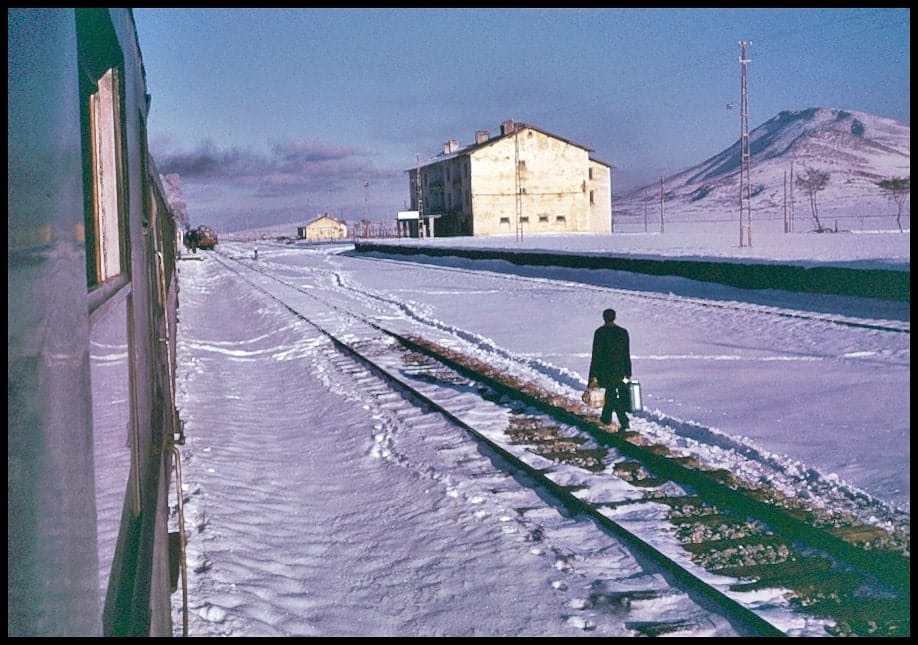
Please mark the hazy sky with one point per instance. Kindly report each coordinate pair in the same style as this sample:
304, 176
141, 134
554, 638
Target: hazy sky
277, 115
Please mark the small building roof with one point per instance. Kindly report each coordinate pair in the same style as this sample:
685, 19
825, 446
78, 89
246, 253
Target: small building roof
322, 216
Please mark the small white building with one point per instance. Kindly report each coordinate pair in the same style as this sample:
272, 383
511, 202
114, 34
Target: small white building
323, 227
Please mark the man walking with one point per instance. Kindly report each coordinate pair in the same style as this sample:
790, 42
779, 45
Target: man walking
610, 367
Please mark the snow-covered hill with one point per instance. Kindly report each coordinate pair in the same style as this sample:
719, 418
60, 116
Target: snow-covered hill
856, 149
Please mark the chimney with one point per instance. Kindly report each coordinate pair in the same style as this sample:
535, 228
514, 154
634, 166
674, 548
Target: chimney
508, 127
450, 146
481, 136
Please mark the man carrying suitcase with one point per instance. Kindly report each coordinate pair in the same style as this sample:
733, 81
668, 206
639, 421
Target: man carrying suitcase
610, 367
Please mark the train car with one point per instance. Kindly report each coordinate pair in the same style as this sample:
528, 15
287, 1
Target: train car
207, 238
93, 457
201, 237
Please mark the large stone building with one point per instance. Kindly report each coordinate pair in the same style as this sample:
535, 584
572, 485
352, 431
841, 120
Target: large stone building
524, 180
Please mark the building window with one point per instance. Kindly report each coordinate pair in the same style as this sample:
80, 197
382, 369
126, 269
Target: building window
590, 175
560, 218
592, 198
524, 219
543, 218
505, 220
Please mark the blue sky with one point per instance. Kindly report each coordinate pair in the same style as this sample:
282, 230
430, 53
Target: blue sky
277, 115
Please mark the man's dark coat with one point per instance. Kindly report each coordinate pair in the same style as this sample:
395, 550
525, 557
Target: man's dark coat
611, 360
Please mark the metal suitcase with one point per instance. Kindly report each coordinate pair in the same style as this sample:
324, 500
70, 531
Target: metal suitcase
634, 393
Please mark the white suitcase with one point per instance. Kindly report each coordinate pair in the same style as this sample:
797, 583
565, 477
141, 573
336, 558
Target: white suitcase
594, 397
634, 390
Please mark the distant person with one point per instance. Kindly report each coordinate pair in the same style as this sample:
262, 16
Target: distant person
610, 367
191, 240
256, 252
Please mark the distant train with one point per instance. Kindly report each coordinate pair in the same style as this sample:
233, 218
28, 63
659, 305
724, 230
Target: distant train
200, 237
93, 431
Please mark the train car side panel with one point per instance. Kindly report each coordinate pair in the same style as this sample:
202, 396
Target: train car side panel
52, 565
90, 356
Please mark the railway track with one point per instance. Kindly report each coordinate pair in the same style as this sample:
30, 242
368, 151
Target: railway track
732, 544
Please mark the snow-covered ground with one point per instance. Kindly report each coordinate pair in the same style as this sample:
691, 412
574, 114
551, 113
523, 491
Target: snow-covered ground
315, 508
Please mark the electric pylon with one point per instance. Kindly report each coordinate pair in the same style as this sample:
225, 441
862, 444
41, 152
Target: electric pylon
745, 155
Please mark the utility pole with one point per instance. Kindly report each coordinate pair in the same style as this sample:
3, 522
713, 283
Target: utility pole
418, 191
661, 204
745, 154
516, 174
611, 202
786, 223
366, 200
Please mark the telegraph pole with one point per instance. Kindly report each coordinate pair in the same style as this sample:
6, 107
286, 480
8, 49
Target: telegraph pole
786, 223
745, 154
661, 204
418, 191
611, 202
516, 174
366, 200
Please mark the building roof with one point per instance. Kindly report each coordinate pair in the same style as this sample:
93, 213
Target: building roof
467, 150
322, 216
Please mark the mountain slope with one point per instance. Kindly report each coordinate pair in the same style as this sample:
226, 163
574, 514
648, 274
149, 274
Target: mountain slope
856, 149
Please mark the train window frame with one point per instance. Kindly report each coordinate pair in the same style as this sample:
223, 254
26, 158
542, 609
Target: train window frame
106, 212
105, 188
116, 389
107, 176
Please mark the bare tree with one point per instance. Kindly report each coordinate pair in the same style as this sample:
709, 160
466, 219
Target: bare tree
813, 181
383, 229
897, 189
173, 185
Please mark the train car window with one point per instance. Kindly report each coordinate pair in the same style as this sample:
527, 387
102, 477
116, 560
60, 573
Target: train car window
105, 220
114, 442
106, 173
113, 337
